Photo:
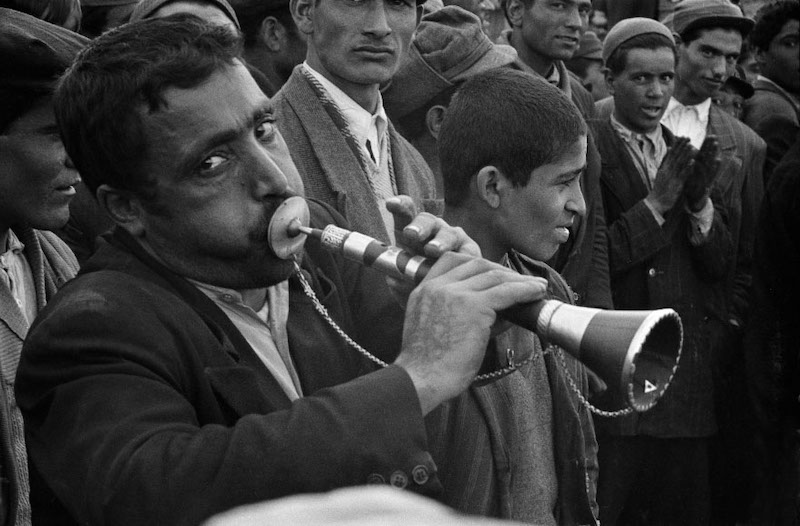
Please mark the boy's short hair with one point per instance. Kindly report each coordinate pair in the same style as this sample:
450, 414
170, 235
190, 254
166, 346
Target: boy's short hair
505, 118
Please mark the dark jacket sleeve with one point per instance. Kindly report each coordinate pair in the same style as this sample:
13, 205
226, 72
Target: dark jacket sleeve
137, 412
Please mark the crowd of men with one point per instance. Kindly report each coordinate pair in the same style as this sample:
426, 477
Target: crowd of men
164, 363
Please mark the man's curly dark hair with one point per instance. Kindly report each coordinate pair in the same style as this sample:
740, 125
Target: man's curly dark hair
770, 19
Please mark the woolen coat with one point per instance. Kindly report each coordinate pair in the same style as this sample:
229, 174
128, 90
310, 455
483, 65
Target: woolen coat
145, 405
52, 264
331, 170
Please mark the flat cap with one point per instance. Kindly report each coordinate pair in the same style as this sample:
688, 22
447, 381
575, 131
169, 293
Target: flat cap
629, 28
448, 47
694, 14
738, 81
590, 47
34, 53
145, 8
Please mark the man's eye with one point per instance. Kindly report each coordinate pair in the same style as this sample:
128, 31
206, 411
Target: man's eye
265, 130
211, 163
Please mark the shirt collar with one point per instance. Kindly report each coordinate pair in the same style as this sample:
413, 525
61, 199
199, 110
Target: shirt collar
13, 244
359, 120
629, 135
700, 111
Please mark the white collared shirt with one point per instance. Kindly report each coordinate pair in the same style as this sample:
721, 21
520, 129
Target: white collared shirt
365, 126
371, 132
687, 121
264, 330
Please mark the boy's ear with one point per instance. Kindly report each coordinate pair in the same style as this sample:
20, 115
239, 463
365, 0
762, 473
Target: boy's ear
433, 120
515, 9
123, 207
489, 184
303, 15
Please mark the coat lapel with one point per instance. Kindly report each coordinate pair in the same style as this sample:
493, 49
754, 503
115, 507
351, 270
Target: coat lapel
621, 176
340, 167
11, 315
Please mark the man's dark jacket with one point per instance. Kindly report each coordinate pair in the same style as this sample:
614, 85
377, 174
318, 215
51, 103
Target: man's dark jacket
655, 266
144, 405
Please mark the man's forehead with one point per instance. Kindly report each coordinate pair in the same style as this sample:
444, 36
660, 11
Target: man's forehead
229, 98
720, 38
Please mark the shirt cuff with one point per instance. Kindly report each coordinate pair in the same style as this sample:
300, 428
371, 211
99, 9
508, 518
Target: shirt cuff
658, 217
701, 222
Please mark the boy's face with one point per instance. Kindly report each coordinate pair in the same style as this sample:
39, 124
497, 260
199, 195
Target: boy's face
37, 179
643, 89
729, 100
535, 219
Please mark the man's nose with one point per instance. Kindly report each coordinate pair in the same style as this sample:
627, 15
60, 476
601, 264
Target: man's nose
376, 22
265, 175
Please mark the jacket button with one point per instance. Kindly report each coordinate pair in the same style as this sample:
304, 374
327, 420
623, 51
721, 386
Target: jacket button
576, 298
420, 475
398, 479
375, 478
651, 272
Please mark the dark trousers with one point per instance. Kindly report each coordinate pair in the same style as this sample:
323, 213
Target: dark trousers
653, 481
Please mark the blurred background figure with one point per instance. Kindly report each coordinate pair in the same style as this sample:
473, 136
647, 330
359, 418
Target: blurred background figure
587, 65
734, 92
214, 11
772, 348
774, 110
272, 43
448, 47
355, 506
616, 10
64, 13
101, 15
748, 63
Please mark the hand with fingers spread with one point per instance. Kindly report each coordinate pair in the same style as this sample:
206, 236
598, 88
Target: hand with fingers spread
706, 169
449, 318
668, 185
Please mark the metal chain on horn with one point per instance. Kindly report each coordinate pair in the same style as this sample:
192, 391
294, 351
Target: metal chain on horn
320, 308
558, 351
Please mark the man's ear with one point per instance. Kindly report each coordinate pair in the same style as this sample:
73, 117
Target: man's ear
515, 9
303, 15
489, 185
433, 120
123, 207
271, 33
